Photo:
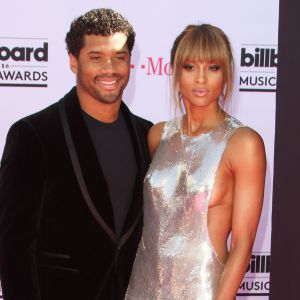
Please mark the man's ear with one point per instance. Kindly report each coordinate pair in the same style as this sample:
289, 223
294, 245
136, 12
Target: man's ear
73, 63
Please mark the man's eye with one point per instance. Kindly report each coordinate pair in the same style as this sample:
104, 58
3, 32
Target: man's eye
214, 67
120, 57
95, 57
189, 67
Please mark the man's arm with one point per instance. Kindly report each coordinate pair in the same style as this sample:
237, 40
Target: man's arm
22, 174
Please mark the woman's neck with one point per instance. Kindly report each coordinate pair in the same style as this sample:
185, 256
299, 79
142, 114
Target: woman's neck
202, 120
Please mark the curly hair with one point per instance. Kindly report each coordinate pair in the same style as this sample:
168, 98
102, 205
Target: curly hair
103, 21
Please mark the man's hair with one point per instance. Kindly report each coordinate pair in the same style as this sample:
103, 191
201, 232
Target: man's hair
103, 21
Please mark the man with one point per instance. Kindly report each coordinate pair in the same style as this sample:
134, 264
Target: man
71, 177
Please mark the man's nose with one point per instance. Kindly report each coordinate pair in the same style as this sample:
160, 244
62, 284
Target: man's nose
106, 65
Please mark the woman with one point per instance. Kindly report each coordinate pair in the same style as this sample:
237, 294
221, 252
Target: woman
205, 181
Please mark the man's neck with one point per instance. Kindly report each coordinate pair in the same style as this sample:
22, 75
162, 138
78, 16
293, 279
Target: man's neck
104, 112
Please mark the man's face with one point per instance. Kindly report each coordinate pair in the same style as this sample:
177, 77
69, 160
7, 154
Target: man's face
102, 68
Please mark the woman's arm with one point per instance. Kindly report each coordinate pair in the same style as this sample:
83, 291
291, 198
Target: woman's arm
248, 165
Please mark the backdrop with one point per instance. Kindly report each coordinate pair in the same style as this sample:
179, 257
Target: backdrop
34, 72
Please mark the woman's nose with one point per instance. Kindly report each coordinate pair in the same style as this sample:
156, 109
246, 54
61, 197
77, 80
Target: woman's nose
200, 75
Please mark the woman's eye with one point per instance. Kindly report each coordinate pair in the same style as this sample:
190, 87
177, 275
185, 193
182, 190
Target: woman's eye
189, 67
214, 67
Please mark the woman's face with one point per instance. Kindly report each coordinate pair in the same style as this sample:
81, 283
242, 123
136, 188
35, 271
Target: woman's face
201, 83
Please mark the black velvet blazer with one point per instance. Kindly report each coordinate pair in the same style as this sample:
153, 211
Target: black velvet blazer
51, 246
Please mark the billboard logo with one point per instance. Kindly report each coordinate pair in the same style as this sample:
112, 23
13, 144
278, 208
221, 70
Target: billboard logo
262, 57
258, 68
23, 62
259, 264
257, 278
24, 53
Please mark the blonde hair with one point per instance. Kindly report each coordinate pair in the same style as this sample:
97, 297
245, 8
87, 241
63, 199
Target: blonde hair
202, 43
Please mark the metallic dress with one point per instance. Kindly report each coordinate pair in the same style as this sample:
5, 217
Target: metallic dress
176, 259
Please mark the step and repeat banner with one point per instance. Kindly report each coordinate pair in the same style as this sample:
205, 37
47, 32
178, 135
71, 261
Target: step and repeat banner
34, 72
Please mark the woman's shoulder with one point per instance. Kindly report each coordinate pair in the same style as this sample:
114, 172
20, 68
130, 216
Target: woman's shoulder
246, 135
242, 132
156, 130
154, 137
246, 145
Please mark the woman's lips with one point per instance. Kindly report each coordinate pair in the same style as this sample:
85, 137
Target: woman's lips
200, 92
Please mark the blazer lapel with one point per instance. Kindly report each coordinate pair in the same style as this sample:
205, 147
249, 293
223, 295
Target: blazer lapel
88, 161
142, 158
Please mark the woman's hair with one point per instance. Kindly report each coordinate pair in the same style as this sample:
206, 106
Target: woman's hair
202, 43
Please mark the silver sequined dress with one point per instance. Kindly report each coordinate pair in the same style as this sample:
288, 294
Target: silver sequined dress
175, 258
